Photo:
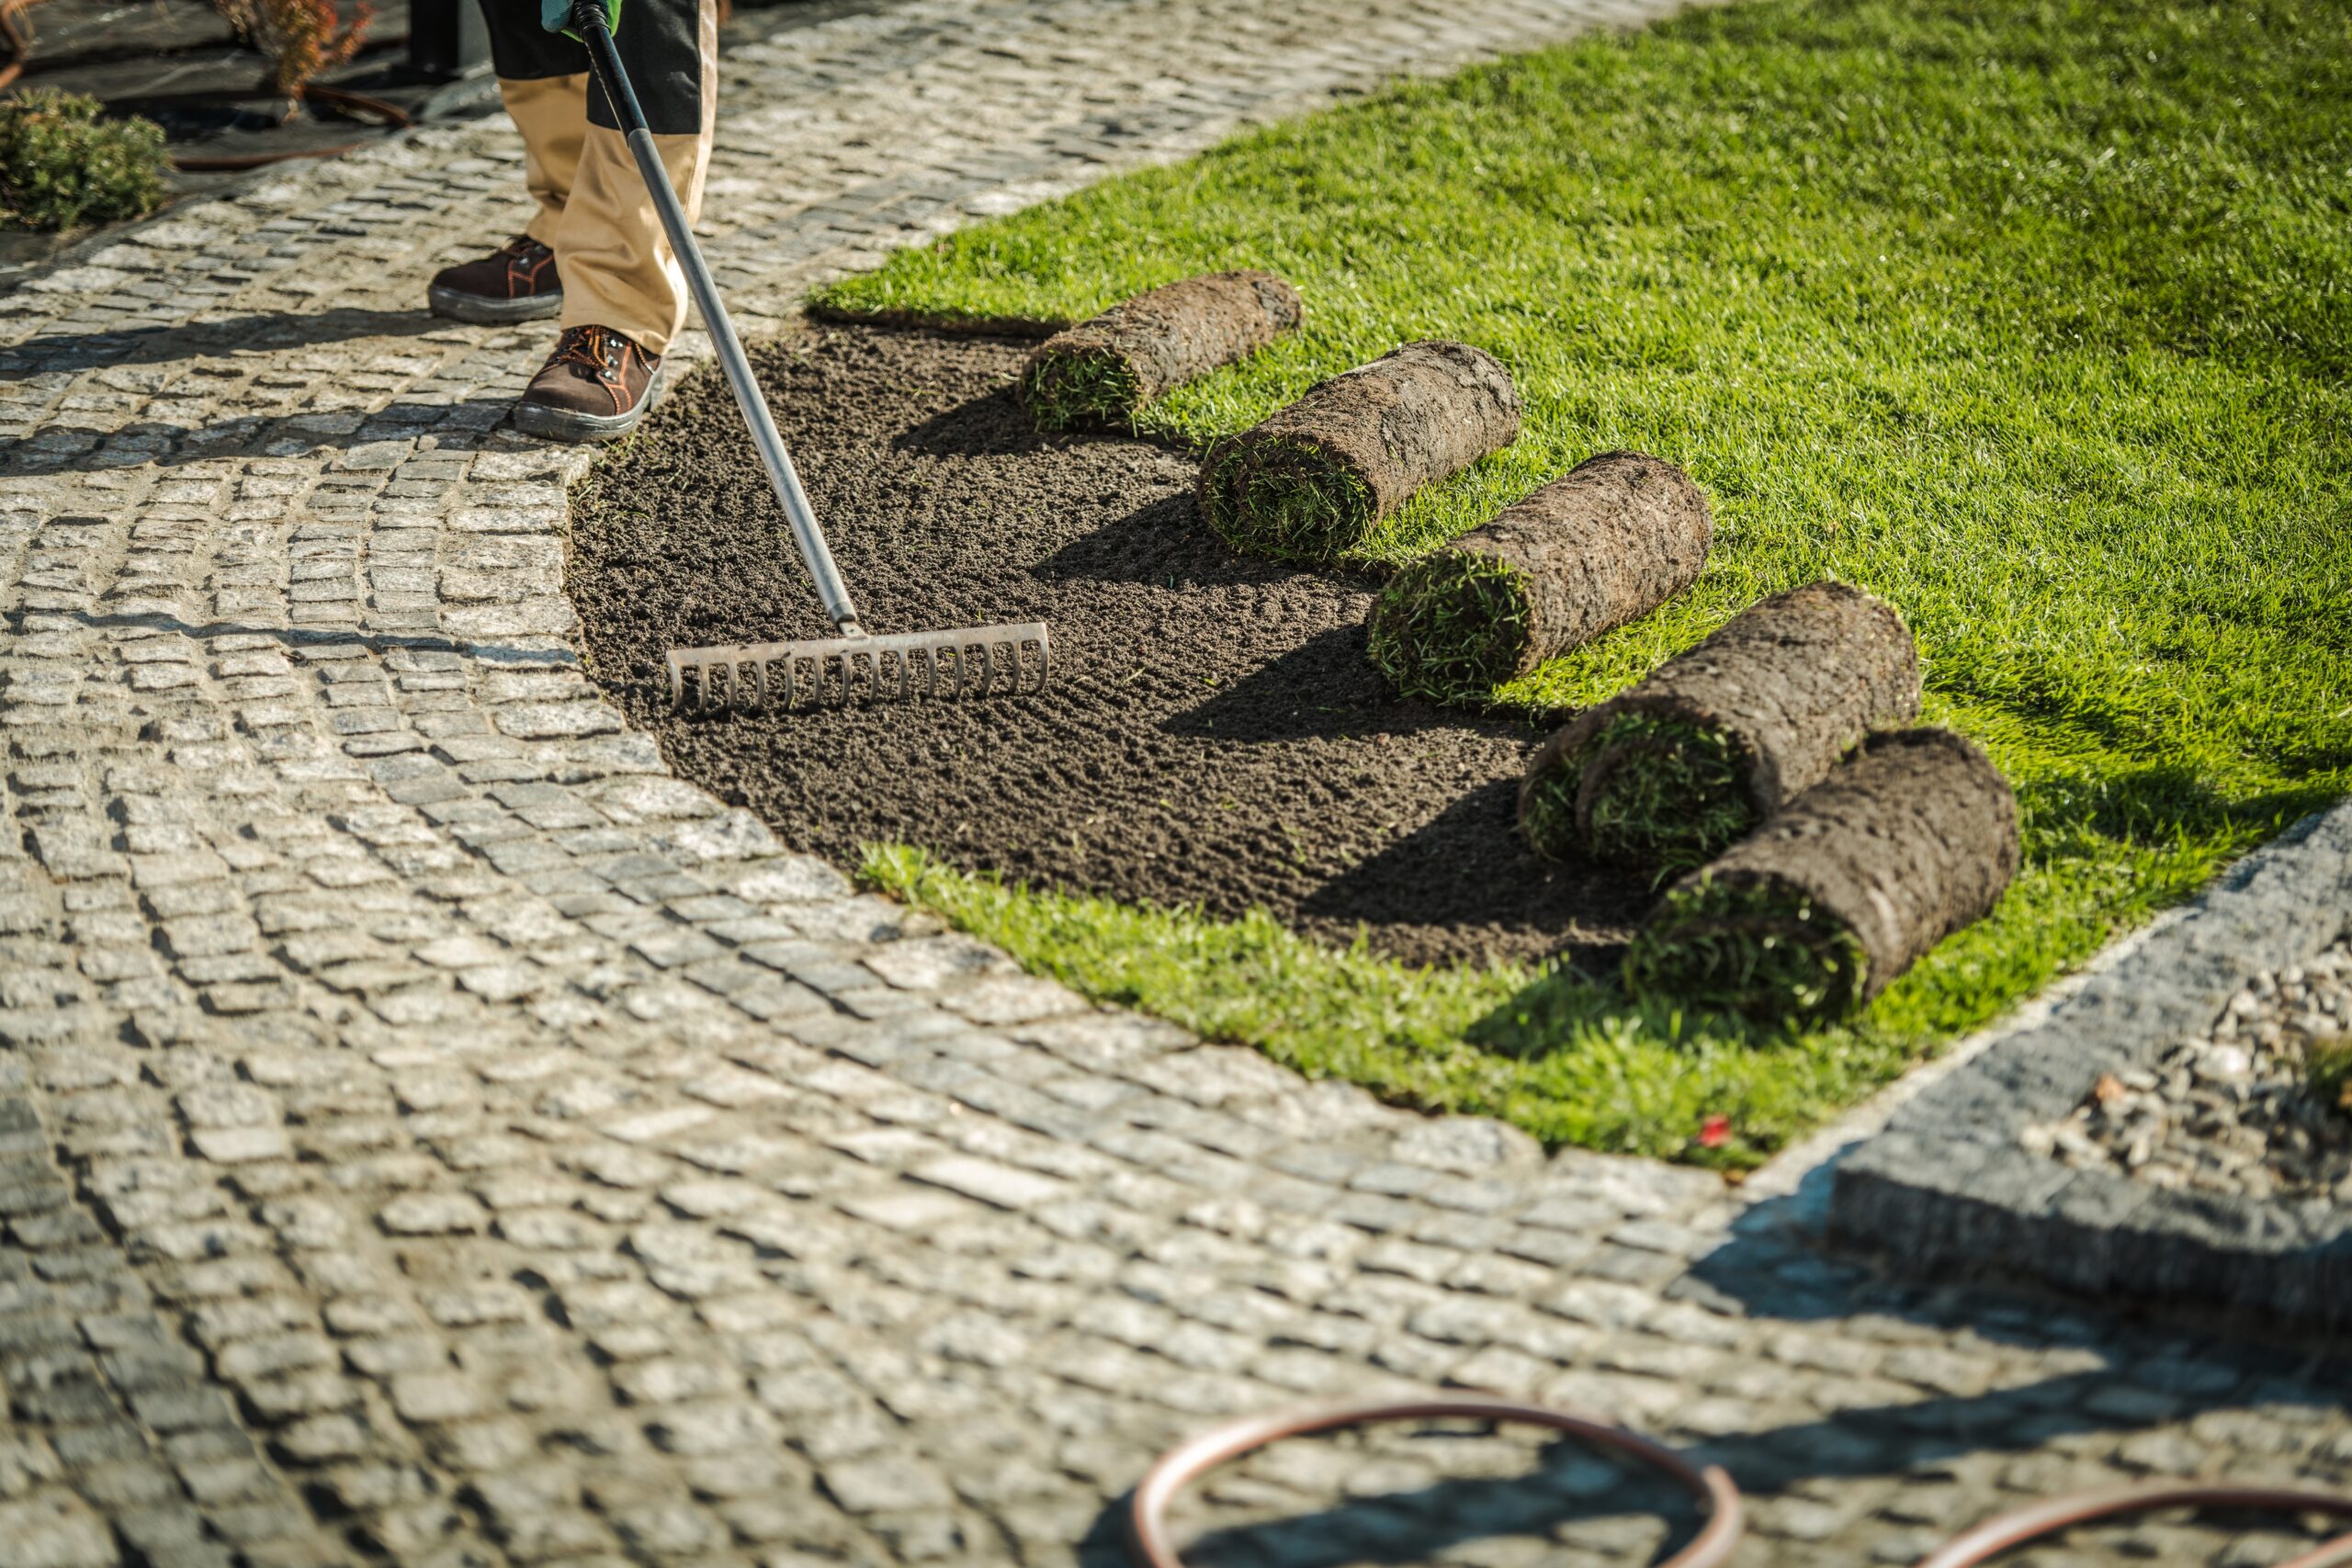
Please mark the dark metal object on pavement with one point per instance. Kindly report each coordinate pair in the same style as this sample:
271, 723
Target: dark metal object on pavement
447, 39
1152, 1546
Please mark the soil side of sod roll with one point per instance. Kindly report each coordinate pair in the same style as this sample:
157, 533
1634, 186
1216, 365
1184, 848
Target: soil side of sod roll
1310, 481
1853, 883
1605, 544
1717, 738
1097, 373
1213, 736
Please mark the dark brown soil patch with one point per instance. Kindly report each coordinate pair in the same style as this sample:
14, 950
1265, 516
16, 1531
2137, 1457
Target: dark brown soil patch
1214, 736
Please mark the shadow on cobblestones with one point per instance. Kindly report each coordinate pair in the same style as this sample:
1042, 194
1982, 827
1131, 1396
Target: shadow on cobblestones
1567, 1494
341, 637
196, 340
430, 1134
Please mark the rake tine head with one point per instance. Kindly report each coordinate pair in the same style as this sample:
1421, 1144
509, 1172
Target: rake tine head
969, 661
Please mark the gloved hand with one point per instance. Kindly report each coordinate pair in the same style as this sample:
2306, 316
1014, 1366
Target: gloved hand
555, 15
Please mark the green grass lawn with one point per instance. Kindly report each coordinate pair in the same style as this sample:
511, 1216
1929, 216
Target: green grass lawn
2035, 319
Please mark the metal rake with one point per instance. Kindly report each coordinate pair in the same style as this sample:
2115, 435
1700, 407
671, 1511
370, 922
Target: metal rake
1013, 657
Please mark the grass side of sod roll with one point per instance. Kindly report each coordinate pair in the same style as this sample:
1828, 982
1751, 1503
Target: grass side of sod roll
1760, 947
2030, 318
1064, 391
1673, 804
1288, 499
1449, 626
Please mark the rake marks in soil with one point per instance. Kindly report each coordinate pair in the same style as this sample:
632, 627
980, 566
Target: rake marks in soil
1215, 733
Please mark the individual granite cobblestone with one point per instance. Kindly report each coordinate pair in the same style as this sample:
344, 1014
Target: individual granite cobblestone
432, 1134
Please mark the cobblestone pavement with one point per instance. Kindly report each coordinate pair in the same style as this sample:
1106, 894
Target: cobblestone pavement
433, 1134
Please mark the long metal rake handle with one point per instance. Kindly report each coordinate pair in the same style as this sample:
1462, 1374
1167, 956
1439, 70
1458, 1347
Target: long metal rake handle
588, 20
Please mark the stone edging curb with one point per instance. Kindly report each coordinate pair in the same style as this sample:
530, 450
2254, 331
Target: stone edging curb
1946, 1188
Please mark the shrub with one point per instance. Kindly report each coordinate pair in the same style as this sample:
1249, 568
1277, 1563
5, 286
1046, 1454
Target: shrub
301, 37
61, 166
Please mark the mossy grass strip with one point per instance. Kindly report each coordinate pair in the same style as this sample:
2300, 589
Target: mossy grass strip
1287, 500
1080, 390
1451, 627
1762, 948
1565, 1054
1675, 796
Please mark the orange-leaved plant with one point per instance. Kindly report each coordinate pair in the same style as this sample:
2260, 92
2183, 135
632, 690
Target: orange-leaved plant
301, 37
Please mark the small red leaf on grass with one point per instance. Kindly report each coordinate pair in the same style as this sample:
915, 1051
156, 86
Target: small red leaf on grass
1715, 1132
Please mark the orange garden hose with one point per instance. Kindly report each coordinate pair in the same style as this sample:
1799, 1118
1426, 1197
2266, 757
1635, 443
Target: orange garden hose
1995, 1537
1149, 1523
1718, 1497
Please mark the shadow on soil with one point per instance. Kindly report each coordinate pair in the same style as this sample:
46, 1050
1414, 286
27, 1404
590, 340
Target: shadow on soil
1160, 544
1449, 892
1324, 689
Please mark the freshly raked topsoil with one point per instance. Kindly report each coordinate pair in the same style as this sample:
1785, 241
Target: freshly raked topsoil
1215, 735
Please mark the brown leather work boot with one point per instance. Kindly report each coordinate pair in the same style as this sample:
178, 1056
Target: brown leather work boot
593, 387
516, 282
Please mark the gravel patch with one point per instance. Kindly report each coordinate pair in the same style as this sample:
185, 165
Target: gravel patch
2232, 1111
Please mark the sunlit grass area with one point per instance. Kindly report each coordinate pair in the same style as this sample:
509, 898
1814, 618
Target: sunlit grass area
2033, 319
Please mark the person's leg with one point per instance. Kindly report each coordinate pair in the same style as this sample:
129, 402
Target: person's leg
624, 293
543, 78
552, 114
618, 271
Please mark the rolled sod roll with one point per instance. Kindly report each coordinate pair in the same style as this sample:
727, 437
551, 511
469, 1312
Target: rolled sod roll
1716, 740
1101, 371
1851, 885
1614, 539
1313, 478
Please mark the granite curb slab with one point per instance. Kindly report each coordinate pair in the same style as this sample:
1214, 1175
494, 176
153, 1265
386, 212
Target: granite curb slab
1948, 1187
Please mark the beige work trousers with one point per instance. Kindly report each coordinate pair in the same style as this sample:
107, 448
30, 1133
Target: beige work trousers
617, 265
